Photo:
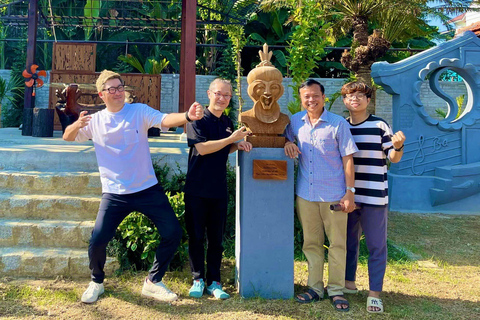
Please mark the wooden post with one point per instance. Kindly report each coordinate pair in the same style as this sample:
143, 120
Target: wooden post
29, 100
187, 55
42, 123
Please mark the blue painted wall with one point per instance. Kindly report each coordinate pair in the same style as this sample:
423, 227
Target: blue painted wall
440, 169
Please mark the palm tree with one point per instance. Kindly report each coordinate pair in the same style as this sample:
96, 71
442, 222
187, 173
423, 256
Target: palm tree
393, 20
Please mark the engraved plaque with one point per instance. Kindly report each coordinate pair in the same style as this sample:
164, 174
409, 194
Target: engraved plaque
270, 169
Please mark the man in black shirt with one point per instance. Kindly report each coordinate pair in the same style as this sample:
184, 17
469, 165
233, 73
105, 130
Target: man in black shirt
211, 140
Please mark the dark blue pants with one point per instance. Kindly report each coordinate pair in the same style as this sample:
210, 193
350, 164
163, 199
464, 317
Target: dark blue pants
153, 203
210, 215
373, 221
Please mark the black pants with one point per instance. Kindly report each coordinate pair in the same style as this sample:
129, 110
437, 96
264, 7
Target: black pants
205, 214
153, 203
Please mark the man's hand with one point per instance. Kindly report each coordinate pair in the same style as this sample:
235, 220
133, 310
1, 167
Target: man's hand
348, 202
83, 119
239, 134
72, 130
291, 150
398, 139
245, 146
196, 111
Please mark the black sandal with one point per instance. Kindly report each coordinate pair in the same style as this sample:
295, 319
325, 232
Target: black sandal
335, 303
308, 297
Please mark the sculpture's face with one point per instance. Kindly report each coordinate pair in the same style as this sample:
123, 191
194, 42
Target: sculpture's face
266, 92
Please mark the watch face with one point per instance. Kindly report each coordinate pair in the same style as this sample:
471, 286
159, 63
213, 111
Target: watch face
351, 189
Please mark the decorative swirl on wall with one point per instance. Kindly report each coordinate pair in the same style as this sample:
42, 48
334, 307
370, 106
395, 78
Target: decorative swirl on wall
471, 77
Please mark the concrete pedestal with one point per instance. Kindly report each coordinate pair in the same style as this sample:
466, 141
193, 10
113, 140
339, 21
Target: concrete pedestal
264, 228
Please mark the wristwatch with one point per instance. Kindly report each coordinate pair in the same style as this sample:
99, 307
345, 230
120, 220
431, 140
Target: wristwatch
351, 189
187, 117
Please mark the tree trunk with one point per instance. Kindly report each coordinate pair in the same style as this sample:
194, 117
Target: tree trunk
27, 121
42, 125
362, 61
364, 74
360, 30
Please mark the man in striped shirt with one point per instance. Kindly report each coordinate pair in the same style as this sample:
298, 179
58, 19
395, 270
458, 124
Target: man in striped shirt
376, 143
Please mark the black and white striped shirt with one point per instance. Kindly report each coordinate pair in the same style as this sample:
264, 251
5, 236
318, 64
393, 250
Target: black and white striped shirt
373, 139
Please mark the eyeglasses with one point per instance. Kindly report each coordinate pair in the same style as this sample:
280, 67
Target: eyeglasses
358, 96
225, 96
112, 90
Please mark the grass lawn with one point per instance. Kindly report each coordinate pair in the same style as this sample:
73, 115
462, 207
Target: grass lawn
443, 283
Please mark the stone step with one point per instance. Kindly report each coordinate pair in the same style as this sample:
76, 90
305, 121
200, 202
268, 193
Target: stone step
41, 206
48, 262
84, 183
45, 233
23, 153
48, 157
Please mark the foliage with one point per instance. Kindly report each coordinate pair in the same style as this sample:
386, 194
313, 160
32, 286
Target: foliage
137, 238
9, 92
306, 47
227, 70
91, 10
171, 182
270, 28
14, 90
229, 237
151, 66
3, 56
8, 89
460, 101
237, 36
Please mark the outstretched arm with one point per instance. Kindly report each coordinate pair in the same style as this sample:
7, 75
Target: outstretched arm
195, 112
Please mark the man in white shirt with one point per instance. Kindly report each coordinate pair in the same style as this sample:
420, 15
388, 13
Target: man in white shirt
120, 136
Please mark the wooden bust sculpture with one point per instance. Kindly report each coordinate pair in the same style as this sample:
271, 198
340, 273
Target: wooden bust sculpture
265, 120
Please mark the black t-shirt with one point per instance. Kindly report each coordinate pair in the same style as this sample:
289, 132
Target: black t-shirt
207, 174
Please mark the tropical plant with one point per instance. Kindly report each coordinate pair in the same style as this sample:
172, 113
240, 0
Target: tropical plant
460, 101
237, 38
271, 28
306, 47
10, 92
3, 36
393, 19
150, 65
227, 69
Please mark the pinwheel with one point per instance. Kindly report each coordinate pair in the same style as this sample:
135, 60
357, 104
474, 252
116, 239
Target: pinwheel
32, 77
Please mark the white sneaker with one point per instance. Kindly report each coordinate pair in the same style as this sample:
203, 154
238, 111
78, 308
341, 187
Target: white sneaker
158, 291
93, 291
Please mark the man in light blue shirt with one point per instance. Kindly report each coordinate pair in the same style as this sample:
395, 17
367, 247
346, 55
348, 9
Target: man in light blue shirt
324, 146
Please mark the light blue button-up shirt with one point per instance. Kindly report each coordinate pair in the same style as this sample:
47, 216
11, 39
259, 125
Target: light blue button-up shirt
321, 176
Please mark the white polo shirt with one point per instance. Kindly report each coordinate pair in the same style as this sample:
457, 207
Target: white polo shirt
121, 146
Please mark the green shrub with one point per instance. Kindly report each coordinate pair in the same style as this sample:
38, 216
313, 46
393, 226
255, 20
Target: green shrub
137, 238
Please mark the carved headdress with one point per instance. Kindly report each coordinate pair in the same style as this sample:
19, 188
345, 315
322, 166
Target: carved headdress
265, 88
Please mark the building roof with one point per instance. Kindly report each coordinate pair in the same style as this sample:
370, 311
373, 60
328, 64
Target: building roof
474, 27
458, 18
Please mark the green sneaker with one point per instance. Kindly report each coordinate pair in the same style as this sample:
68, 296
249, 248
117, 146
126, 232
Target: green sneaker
215, 289
196, 290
